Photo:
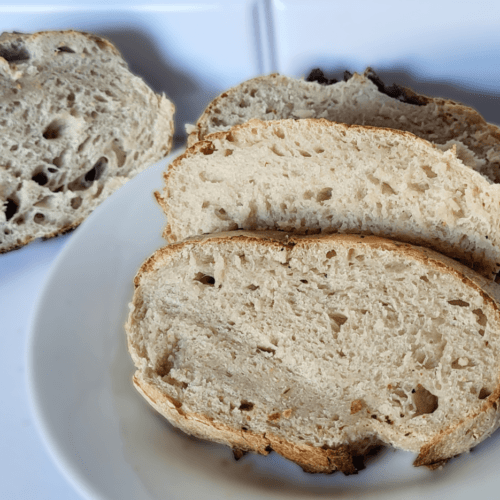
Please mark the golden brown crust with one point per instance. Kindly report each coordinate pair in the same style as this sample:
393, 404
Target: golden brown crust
312, 459
60, 232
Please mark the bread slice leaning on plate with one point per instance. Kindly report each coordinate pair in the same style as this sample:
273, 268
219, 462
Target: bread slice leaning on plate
361, 100
320, 348
319, 176
76, 124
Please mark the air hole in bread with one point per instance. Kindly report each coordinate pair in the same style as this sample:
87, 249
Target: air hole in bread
481, 317
305, 154
244, 104
83, 144
221, 214
269, 350
15, 147
54, 130
425, 278
95, 173
204, 279
276, 151
308, 195
246, 405
252, 287
14, 53
66, 49
387, 189
40, 178
425, 402
39, 218
205, 204
396, 268
330, 254
461, 363
429, 172
459, 303
57, 161
76, 202
420, 188
304, 281
484, 393
339, 318
324, 195
279, 133
228, 152
121, 156
10, 208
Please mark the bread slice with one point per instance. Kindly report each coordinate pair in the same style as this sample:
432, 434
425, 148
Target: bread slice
75, 125
319, 176
318, 347
362, 100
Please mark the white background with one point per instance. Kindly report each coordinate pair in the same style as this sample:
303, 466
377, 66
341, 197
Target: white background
195, 50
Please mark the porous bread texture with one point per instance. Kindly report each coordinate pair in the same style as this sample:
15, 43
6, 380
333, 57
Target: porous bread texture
356, 101
318, 347
76, 124
314, 175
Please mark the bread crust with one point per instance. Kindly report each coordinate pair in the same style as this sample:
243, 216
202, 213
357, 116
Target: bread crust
311, 459
451, 441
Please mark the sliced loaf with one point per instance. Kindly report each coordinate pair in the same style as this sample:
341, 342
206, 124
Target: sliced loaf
76, 124
362, 100
318, 347
319, 176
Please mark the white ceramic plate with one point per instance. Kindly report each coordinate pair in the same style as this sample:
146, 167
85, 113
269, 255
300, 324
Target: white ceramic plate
112, 445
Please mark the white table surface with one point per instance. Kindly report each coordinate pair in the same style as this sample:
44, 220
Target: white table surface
195, 50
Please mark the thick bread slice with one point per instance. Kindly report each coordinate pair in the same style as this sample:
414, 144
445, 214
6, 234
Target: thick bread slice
314, 175
75, 125
318, 347
359, 100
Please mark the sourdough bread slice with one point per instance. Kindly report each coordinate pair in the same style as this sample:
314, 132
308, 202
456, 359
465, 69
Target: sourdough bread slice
362, 100
314, 175
318, 347
76, 124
